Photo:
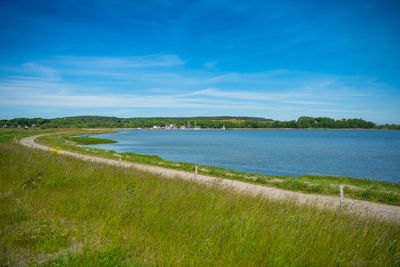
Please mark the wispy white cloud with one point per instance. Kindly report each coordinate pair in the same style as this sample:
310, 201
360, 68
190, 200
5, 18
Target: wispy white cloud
345, 111
303, 96
122, 101
36, 93
244, 95
118, 62
156, 82
300, 102
41, 70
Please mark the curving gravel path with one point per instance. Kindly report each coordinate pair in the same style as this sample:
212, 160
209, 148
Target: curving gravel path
379, 211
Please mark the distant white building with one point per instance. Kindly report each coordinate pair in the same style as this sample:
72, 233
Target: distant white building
170, 126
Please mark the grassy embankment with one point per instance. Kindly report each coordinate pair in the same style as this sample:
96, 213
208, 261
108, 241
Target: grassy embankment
90, 140
360, 189
57, 210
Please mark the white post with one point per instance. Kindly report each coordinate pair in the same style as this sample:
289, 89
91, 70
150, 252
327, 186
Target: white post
195, 172
341, 195
119, 159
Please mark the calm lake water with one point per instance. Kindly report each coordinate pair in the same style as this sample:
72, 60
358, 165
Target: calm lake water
354, 153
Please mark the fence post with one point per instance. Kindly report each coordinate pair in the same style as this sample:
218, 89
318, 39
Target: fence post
195, 172
341, 195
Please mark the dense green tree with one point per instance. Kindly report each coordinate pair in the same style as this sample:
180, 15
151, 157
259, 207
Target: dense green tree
204, 122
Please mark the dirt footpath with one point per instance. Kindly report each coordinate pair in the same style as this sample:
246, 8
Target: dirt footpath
379, 211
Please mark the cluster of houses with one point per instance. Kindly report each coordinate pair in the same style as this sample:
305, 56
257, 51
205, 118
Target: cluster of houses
174, 127
19, 126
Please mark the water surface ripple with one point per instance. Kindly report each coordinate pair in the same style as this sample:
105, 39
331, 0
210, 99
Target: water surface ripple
372, 154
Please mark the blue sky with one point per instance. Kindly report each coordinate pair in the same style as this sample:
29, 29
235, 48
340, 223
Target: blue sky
274, 59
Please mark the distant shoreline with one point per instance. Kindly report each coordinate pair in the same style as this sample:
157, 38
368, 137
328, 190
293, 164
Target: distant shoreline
216, 129
213, 122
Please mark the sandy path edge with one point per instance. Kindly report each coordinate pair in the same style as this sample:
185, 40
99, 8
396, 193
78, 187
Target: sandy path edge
379, 211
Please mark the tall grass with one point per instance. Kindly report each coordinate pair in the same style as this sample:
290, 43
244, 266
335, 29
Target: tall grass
361, 189
90, 140
56, 210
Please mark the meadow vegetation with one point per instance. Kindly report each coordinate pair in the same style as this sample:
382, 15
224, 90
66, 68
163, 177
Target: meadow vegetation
361, 189
60, 211
90, 140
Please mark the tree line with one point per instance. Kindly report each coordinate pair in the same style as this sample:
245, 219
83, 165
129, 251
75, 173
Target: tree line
203, 122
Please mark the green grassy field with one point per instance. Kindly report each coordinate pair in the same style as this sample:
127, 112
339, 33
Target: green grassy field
60, 211
361, 189
90, 140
